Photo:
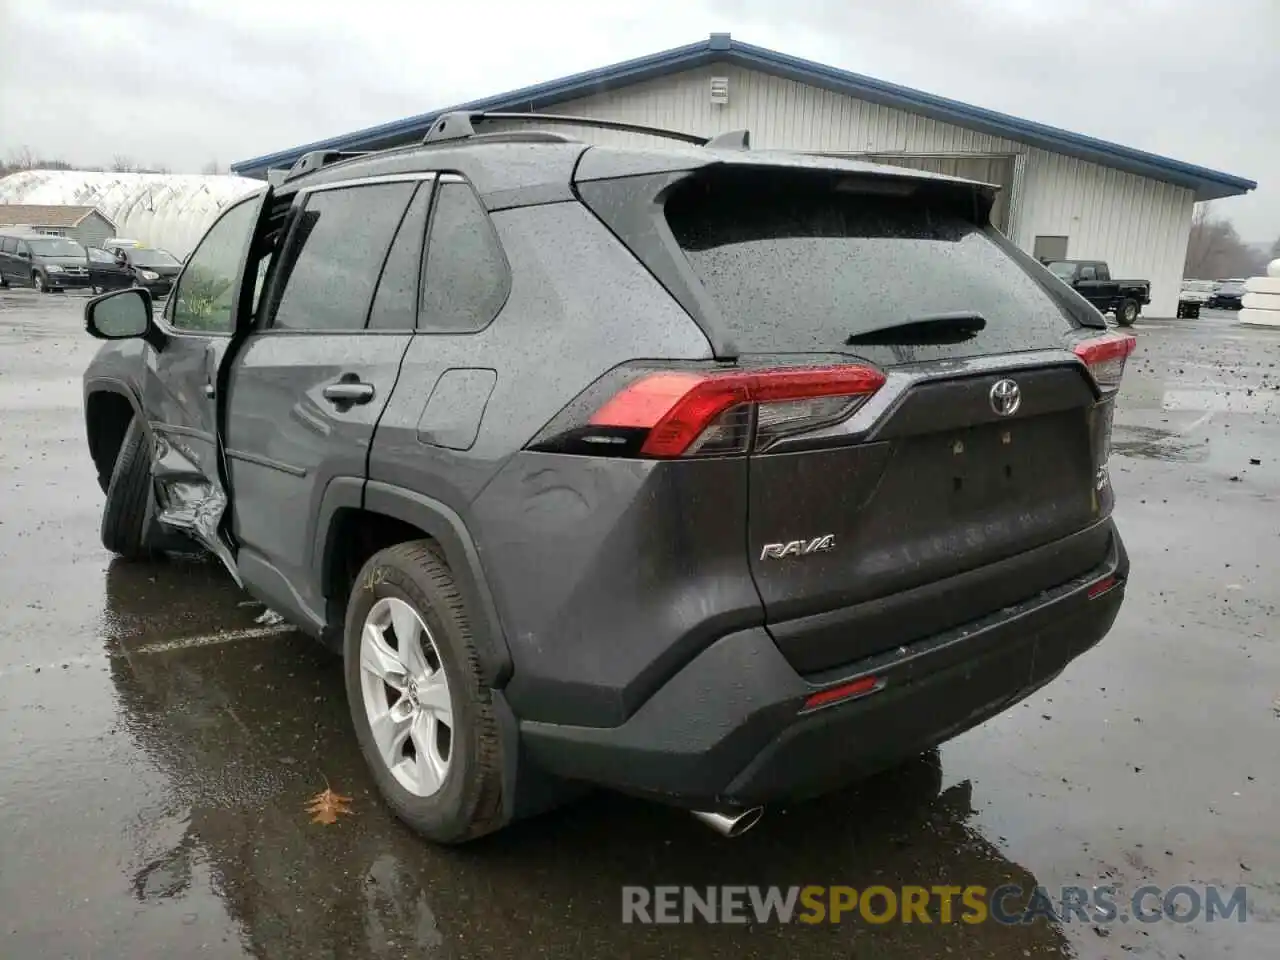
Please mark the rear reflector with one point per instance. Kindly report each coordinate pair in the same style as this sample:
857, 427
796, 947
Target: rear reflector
1105, 585
845, 691
1105, 357
688, 413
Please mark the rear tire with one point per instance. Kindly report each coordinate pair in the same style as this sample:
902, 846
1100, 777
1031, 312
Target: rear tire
126, 513
466, 801
1127, 313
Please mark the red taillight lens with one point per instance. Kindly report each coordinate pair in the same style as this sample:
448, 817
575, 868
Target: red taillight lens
1105, 357
687, 413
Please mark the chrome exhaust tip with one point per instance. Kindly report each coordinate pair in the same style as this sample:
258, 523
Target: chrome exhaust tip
732, 824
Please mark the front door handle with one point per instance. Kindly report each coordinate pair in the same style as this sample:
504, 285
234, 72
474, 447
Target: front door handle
347, 392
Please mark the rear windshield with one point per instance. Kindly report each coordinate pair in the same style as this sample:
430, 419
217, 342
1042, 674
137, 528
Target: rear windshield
801, 267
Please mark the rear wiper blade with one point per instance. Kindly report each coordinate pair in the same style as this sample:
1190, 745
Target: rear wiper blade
936, 328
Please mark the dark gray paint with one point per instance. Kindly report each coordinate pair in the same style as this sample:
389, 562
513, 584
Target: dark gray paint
455, 408
276, 411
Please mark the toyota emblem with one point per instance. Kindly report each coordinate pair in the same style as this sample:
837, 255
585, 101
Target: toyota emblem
1006, 397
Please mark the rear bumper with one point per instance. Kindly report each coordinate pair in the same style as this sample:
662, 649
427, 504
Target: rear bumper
729, 728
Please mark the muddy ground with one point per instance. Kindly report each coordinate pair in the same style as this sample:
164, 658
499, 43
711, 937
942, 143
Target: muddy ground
157, 745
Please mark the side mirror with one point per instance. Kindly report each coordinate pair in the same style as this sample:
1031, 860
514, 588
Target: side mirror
119, 315
24, 255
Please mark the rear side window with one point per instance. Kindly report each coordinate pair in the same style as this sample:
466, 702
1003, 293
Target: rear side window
395, 305
798, 265
466, 280
334, 254
8, 245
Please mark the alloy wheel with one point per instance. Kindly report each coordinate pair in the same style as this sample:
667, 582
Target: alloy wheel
406, 696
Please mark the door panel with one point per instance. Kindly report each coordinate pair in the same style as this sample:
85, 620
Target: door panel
180, 394
285, 440
305, 391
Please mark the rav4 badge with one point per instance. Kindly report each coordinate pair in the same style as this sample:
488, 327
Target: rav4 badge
798, 548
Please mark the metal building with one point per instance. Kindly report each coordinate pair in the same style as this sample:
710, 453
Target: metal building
164, 210
1064, 194
86, 225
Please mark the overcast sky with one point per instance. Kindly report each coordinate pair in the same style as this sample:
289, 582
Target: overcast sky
183, 82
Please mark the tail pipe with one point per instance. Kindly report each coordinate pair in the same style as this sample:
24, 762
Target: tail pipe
733, 823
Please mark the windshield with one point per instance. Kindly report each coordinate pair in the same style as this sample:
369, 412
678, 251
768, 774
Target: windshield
1200, 286
100, 256
55, 247
1062, 269
800, 269
152, 258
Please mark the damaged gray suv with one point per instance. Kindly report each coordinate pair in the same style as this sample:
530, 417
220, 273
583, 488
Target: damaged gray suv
713, 476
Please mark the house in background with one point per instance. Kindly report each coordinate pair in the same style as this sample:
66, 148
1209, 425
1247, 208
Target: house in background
1063, 194
87, 225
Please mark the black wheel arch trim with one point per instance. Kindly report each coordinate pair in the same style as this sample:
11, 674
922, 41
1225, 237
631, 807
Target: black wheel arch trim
440, 522
97, 385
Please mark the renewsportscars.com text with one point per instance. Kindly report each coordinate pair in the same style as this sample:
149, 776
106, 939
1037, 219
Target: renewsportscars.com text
971, 904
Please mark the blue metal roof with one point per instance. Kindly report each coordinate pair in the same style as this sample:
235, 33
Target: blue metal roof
721, 48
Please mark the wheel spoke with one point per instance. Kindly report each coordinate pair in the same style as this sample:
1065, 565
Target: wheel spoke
390, 729
377, 658
408, 637
433, 696
431, 766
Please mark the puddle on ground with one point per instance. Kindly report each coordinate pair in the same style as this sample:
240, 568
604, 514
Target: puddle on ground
1153, 443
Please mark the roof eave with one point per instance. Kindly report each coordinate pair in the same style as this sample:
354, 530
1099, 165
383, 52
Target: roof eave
1206, 184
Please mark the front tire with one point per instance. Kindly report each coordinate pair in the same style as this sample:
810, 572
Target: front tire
126, 513
1127, 313
38, 281
423, 716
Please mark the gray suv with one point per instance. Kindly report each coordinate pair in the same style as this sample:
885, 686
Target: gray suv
712, 476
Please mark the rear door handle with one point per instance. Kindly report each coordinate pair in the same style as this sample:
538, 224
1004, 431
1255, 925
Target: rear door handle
349, 392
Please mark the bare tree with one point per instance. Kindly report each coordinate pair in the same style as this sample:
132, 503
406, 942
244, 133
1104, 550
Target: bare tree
24, 158
1215, 250
213, 167
123, 163
1275, 250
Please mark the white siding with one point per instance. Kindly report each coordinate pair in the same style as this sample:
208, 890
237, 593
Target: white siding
779, 113
1139, 226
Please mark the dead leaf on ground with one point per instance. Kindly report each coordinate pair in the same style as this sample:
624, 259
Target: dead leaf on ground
326, 806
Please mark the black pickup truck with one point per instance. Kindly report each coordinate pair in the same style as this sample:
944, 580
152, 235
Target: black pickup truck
1092, 280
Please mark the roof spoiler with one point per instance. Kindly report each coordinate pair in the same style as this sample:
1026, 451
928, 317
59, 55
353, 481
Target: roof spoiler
461, 125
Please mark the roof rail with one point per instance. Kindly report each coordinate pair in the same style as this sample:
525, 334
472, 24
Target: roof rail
316, 159
462, 125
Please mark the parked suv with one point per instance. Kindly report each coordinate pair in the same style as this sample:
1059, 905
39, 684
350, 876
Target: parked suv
714, 477
47, 263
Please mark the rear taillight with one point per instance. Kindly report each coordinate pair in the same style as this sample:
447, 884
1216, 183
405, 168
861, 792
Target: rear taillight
689, 413
1105, 357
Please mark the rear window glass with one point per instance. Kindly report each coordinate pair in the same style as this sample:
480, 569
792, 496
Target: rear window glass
801, 267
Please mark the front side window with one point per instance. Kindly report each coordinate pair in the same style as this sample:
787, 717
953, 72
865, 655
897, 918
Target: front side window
334, 254
466, 279
205, 297
1088, 273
